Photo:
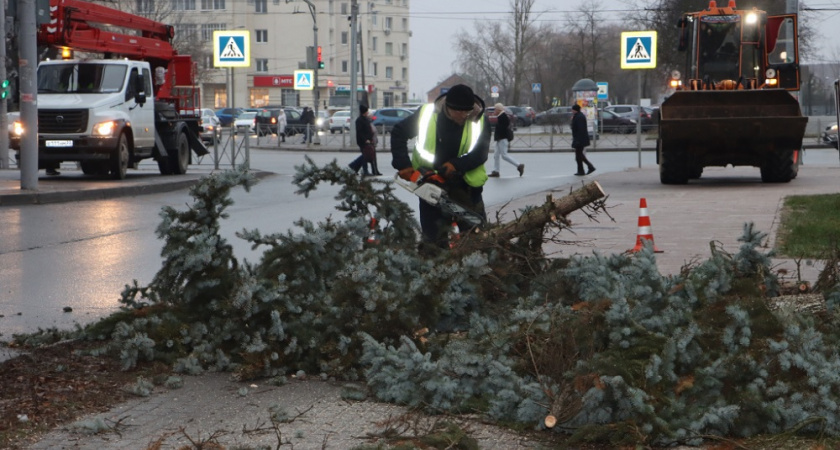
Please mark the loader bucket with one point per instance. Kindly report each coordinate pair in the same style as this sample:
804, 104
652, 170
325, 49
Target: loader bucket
732, 127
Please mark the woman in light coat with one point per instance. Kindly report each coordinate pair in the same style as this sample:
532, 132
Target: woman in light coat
281, 125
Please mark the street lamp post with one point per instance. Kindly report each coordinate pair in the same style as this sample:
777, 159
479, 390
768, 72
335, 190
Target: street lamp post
316, 93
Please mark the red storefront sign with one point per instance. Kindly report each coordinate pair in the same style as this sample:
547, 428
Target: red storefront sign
282, 81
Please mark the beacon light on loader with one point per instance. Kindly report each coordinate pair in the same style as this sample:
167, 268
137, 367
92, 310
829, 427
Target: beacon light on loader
676, 79
771, 77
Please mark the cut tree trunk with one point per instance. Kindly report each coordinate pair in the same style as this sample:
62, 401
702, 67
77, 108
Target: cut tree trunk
532, 220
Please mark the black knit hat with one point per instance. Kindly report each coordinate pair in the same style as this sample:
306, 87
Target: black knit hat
460, 97
363, 108
576, 107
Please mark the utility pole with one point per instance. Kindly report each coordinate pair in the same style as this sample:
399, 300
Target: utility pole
28, 54
354, 107
316, 90
4, 120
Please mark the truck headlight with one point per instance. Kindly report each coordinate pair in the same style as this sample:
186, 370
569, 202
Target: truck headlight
104, 128
320, 122
17, 128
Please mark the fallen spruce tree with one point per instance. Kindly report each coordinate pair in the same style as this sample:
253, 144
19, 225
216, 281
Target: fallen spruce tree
602, 347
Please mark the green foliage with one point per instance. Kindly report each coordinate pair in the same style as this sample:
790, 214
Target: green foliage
614, 350
809, 225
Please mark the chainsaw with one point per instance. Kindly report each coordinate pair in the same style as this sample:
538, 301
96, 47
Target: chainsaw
428, 185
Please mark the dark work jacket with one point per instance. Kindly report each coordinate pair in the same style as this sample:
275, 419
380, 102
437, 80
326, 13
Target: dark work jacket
364, 132
448, 141
580, 132
502, 125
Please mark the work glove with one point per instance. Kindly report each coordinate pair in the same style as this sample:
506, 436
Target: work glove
448, 170
407, 174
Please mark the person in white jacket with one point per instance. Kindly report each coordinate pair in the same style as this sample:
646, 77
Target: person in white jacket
281, 125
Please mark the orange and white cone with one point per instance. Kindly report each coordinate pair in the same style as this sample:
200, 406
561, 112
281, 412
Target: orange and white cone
372, 235
645, 232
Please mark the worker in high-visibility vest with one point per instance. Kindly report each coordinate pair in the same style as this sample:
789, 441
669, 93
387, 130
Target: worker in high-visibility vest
453, 138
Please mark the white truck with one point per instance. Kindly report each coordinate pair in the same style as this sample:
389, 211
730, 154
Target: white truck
109, 114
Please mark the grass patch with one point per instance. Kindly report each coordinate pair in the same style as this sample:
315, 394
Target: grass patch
810, 226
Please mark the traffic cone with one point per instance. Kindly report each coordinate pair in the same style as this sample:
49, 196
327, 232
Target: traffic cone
644, 229
372, 235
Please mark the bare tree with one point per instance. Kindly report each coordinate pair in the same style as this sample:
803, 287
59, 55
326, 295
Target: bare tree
496, 56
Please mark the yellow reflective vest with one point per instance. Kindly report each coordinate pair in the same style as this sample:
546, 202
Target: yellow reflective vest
424, 149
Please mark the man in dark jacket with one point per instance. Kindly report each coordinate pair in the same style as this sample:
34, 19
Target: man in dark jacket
580, 139
366, 140
453, 138
307, 118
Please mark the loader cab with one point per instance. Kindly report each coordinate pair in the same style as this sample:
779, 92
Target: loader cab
735, 48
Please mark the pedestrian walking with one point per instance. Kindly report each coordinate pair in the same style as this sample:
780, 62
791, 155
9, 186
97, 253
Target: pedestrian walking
580, 139
453, 138
503, 136
366, 140
281, 125
308, 120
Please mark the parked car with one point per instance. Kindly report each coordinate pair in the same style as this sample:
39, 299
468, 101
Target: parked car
209, 125
558, 115
322, 120
340, 121
829, 136
490, 112
523, 118
613, 123
246, 122
227, 115
632, 112
384, 119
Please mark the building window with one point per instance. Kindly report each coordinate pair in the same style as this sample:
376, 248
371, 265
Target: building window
374, 44
207, 30
220, 97
343, 66
344, 9
187, 31
261, 6
207, 5
259, 97
405, 24
404, 50
262, 65
389, 72
145, 6
389, 22
375, 70
373, 17
262, 36
389, 48
404, 73
388, 98
344, 37
183, 5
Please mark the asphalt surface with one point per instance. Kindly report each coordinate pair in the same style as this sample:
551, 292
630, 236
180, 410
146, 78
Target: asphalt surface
685, 221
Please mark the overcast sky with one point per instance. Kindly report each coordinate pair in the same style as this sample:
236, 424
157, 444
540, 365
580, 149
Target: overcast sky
434, 24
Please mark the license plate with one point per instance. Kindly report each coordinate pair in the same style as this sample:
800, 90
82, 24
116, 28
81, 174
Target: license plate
59, 143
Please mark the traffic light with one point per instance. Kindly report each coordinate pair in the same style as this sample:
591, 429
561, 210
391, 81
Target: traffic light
4, 90
320, 60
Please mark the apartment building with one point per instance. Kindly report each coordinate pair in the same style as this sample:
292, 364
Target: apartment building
280, 32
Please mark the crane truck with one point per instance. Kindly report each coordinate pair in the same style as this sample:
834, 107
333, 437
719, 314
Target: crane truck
139, 101
733, 105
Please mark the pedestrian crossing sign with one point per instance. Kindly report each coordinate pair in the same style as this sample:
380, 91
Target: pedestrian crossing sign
303, 80
232, 48
638, 50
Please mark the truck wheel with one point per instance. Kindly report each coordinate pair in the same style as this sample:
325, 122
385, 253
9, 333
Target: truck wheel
672, 170
778, 167
695, 172
179, 157
119, 159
